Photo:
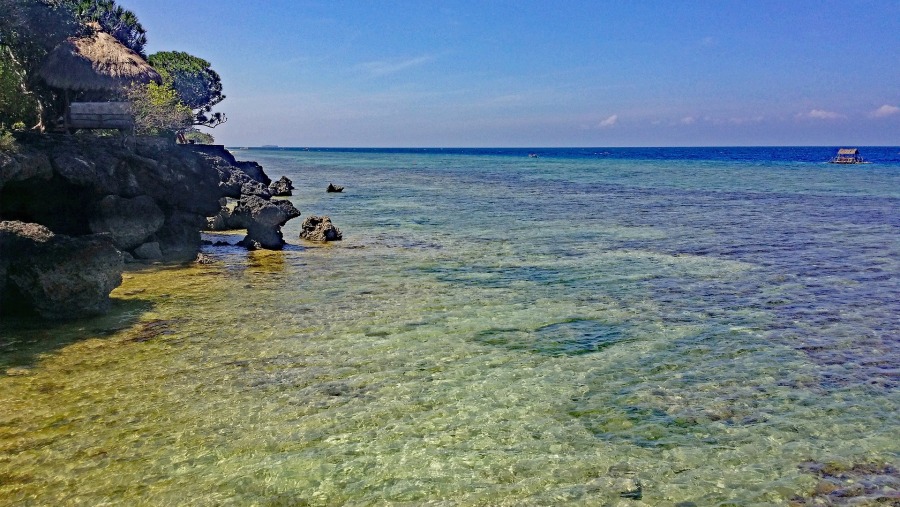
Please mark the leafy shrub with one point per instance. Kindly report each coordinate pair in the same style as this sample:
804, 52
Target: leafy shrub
158, 111
16, 106
199, 137
7, 141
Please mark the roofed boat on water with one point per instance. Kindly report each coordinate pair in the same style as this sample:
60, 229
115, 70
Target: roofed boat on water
848, 156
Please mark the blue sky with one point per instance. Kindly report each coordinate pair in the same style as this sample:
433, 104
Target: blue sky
537, 73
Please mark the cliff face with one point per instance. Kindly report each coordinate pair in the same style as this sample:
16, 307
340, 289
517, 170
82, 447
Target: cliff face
67, 202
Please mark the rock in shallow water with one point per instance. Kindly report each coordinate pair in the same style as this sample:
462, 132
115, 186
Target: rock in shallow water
59, 277
859, 484
282, 187
319, 229
264, 220
150, 200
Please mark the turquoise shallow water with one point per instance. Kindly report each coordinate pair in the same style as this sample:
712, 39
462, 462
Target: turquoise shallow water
630, 329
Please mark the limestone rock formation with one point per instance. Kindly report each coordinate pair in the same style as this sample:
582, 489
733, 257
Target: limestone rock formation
129, 221
255, 210
56, 276
319, 229
334, 188
282, 187
264, 220
254, 171
15, 167
149, 199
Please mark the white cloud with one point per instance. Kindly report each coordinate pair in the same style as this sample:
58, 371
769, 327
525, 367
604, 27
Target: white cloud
741, 120
688, 120
821, 114
384, 67
885, 111
609, 122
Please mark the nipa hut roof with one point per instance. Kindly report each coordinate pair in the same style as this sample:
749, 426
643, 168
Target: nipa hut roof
95, 62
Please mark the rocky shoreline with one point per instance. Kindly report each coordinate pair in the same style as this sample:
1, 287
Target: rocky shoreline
74, 210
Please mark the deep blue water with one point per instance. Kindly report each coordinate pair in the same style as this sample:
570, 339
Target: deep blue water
811, 154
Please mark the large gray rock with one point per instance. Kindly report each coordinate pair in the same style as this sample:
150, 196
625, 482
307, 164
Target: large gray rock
319, 229
179, 238
57, 276
129, 221
253, 187
150, 199
219, 221
180, 180
16, 240
264, 220
235, 183
282, 187
148, 251
253, 170
15, 168
77, 170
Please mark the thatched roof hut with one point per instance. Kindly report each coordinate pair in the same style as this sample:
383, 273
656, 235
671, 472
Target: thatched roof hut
95, 62
848, 156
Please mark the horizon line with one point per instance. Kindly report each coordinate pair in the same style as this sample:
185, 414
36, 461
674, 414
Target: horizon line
301, 147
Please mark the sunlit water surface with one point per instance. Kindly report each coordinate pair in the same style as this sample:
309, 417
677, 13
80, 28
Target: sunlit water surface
493, 330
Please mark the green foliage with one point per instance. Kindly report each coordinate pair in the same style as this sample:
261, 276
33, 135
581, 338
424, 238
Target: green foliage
199, 137
16, 105
114, 20
7, 141
158, 111
197, 84
29, 29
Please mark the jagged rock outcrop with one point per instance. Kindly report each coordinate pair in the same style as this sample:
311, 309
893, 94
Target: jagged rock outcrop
254, 171
255, 209
282, 187
56, 276
226, 220
319, 229
334, 188
97, 185
149, 199
264, 220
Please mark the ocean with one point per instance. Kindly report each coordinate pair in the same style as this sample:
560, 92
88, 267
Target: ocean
605, 326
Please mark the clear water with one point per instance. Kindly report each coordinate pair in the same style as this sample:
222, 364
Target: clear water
643, 327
